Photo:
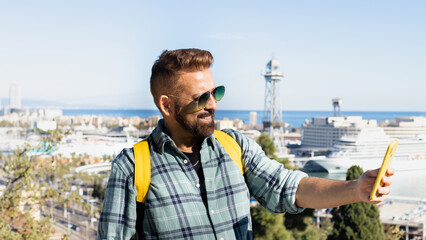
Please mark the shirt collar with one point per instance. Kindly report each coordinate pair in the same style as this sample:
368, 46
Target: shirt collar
160, 137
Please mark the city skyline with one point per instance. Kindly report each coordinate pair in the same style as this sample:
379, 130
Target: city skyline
99, 54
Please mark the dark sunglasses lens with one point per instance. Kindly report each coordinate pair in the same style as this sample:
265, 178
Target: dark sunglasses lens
218, 93
202, 100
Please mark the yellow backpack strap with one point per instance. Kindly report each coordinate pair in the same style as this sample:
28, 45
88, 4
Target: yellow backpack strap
232, 148
142, 169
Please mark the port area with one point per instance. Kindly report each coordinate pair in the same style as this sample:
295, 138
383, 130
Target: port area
409, 213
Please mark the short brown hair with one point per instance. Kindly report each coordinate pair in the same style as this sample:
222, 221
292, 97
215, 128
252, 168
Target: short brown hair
166, 70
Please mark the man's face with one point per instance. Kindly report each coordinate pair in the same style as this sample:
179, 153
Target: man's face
199, 123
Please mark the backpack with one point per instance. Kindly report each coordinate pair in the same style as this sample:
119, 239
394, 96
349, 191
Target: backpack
143, 161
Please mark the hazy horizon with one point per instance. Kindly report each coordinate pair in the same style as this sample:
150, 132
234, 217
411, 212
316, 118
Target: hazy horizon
33, 104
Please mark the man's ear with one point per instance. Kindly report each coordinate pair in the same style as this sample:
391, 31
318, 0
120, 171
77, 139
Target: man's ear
165, 105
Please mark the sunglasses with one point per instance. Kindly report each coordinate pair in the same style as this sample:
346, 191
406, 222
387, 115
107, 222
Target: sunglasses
201, 101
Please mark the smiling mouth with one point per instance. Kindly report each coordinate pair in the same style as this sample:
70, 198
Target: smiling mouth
206, 117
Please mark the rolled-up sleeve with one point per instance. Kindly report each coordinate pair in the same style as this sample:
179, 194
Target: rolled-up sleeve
272, 185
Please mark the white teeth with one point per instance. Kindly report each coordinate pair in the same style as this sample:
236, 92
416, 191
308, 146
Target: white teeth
206, 118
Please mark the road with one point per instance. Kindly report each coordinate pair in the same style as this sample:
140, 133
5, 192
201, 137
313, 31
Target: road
77, 223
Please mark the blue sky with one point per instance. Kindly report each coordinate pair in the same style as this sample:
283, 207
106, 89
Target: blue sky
372, 54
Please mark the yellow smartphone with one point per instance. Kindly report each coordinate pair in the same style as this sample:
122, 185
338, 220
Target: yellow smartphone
385, 165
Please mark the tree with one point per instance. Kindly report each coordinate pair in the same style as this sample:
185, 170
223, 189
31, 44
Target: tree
326, 228
357, 220
301, 225
99, 190
394, 232
31, 180
22, 198
267, 144
268, 147
268, 226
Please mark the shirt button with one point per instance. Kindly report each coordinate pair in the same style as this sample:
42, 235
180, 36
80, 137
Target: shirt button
212, 211
185, 161
197, 185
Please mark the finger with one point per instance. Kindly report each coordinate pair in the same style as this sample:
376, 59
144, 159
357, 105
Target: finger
390, 172
378, 199
386, 181
383, 191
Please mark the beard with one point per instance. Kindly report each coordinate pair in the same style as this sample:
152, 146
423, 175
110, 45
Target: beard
196, 127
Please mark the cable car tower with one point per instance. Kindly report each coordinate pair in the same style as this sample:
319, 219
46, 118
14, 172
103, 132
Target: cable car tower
272, 118
337, 102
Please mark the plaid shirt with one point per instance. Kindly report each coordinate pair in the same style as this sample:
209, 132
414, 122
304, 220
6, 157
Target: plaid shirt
174, 208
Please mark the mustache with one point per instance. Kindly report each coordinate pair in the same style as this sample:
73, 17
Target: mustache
209, 113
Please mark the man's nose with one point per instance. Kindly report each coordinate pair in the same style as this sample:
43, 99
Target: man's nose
211, 103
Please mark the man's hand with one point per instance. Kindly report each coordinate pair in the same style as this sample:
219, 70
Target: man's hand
366, 182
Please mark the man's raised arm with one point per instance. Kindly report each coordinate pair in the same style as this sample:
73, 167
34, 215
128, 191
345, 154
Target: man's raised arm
319, 193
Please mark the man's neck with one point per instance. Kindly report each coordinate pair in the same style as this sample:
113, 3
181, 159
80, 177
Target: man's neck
187, 145
184, 141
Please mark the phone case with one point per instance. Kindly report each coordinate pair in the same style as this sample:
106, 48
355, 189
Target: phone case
385, 165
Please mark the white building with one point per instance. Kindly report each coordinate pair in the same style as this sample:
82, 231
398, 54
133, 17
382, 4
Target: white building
15, 96
97, 121
223, 124
254, 134
405, 127
253, 119
45, 125
51, 113
322, 133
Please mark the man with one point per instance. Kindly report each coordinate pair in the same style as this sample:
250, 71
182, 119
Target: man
196, 190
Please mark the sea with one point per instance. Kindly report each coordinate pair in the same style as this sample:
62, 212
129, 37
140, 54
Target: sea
405, 183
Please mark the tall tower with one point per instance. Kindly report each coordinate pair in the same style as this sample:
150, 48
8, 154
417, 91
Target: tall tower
337, 102
15, 96
272, 118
